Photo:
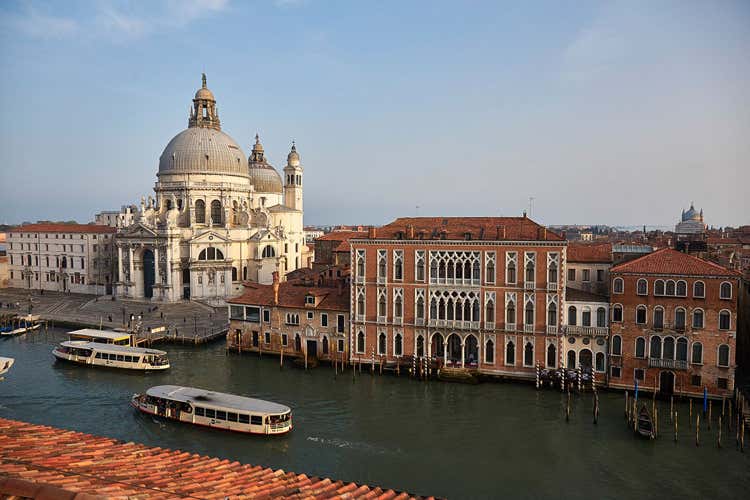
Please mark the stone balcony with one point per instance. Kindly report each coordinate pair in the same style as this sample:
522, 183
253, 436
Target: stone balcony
675, 364
586, 331
456, 324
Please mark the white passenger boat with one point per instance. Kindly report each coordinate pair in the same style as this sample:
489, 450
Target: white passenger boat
25, 324
100, 336
215, 409
5, 364
111, 355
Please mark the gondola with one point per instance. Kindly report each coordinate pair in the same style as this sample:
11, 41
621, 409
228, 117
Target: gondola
644, 425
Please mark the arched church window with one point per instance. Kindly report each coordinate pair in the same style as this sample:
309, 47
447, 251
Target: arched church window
216, 212
168, 204
268, 251
200, 212
235, 213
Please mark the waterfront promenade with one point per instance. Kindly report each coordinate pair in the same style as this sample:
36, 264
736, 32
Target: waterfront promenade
188, 321
65, 463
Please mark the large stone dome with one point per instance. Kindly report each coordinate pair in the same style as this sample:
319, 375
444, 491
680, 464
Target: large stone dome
203, 150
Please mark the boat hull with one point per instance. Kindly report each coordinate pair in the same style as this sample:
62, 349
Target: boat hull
20, 331
191, 419
5, 364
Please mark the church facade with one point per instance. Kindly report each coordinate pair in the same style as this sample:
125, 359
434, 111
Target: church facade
217, 217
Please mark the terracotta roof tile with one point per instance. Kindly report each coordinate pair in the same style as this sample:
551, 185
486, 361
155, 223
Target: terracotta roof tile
293, 295
342, 235
38, 461
478, 228
63, 228
590, 252
668, 261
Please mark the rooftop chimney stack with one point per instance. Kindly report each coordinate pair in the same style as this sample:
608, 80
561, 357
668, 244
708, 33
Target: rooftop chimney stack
371, 233
275, 288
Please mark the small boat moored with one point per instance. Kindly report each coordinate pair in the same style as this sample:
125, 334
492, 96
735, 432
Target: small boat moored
5, 364
644, 425
215, 409
111, 355
25, 324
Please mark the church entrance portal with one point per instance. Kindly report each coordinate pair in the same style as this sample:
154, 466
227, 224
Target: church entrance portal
186, 284
148, 273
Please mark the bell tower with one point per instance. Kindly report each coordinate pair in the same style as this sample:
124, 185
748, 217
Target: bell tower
293, 180
204, 112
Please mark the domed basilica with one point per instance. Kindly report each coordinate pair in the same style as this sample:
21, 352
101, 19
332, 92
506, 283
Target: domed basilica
217, 217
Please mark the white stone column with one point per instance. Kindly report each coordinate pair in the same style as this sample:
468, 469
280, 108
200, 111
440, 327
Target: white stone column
463, 356
156, 264
169, 265
120, 270
130, 255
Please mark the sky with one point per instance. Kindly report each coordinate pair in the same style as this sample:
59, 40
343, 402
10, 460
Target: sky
618, 113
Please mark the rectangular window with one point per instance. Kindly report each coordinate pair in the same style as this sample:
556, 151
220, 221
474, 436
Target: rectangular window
310, 315
128, 359
199, 412
267, 337
340, 323
210, 413
266, 315
256, 420
586, 275
252, 314
235, 312
323, 319
639, 374
341, 345
98, 355
244, 419
221, 415
571, 274
600, 275
136, 359
722, 383
284, 339
120, 357
232, 417
695, 380
615, 372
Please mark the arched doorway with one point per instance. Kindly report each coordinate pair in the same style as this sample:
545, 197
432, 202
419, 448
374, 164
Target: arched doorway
585, 358
149, 274
571, 360
666, 383
471, 351
437, 345
454, 348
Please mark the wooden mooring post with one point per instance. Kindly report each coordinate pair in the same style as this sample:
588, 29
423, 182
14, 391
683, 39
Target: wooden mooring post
281, 357
709, 413
718, 438
596, 407
690, 414
671, 408
627, 407
674, 419
698, 429
656, 422
567, 408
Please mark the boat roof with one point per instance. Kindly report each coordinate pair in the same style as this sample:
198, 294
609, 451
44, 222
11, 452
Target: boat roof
101, 334
124, 349
215, 399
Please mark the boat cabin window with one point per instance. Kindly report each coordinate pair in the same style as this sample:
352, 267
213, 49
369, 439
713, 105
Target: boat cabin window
98, 355
221, 415
210, 413
244, 419
232, 417
128, 359
256, 420
199, 411
120, 357
136, 359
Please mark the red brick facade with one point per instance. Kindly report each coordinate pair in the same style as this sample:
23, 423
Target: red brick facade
441, 288
677, 332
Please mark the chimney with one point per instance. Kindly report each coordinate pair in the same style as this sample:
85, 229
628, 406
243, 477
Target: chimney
410, 232
275, 288
500, 232
372, 233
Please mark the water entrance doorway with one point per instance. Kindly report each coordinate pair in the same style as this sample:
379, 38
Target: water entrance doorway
148, 273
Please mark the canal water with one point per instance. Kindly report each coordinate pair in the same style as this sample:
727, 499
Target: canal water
461, 441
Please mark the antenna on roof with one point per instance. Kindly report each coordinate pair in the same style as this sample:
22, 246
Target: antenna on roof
531, 204
416, 211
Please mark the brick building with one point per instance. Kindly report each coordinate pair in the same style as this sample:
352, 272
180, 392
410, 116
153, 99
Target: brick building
481, 294
588, 267
301, 319
674, 324
78, 258
332, 249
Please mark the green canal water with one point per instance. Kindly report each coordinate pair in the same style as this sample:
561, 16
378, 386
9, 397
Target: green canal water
460, 441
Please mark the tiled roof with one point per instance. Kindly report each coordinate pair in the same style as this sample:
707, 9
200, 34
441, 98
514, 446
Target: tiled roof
476, 228
668, 261
590, 252
80, 462
293, 295
576, 295
342, 235
63, 228
342, 247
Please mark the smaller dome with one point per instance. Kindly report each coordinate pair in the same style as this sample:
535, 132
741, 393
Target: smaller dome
292, 158
263, 177
204, 94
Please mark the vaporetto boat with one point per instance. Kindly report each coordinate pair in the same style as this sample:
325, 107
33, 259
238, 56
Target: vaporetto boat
215, 409
111, 355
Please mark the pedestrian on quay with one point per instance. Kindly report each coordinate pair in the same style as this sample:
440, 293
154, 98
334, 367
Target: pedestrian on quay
110, 318
162, 314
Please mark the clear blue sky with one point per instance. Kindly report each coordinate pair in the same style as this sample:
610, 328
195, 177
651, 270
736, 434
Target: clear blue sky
604, 112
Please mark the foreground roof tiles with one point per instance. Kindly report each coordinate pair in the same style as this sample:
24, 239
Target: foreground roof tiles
38, 461
590, 252
668, 261
293, 295
63, 228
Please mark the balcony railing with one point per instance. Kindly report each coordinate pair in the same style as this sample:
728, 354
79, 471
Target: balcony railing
382, 319
551, 287
510, 327
587, 331
382, 280
528, 328
360, 318
359, 279
551, 330
676, 364
454, 323
398, 321
454, 281
419, 321
668, 326
489, 325
529, 285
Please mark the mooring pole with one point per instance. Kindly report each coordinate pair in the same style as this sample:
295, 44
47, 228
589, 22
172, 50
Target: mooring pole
675, 426
697, 429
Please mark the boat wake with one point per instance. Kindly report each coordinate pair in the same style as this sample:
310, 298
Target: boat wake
340, 443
